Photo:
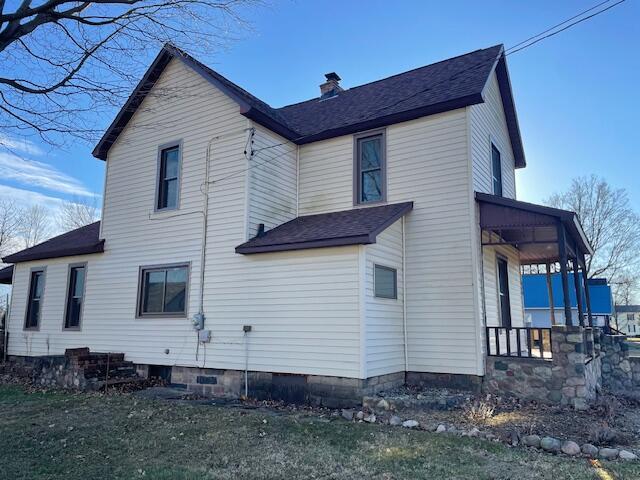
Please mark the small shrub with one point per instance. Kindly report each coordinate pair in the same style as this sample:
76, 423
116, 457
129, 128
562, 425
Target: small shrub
605, 435
479, 410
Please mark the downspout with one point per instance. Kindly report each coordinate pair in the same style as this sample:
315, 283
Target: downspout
404, 301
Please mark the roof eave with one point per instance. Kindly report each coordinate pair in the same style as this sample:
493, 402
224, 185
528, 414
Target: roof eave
399, 117
68, 252
508, 104
324, 243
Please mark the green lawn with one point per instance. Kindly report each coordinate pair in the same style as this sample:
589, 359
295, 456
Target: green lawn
64, 436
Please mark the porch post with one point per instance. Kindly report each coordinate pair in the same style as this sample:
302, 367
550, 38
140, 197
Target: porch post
552, 308
587, 294
562, 249
576, 283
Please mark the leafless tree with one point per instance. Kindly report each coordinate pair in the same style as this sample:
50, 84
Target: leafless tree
611, 225
625, 289
77, 213
10, 225
35, 225
63, 63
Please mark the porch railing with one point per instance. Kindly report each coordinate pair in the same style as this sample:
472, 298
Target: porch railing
519, 342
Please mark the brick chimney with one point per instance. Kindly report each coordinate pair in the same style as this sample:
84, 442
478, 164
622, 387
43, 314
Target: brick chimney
331, 87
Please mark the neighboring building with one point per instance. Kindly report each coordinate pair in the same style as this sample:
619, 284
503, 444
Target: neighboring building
628, 319
357, 239
536, 300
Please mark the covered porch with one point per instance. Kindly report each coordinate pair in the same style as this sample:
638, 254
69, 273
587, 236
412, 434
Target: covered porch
541, 236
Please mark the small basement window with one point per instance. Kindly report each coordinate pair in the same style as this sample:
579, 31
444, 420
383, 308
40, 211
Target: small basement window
385, 281
163, 291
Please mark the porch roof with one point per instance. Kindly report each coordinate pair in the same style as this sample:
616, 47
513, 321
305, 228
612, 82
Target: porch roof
6, 275
531, 228
358, 226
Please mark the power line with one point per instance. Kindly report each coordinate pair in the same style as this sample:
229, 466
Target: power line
558, 25
550, 32
566, 27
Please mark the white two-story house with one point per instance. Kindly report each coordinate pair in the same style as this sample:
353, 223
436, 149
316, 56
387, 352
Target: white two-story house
338, 246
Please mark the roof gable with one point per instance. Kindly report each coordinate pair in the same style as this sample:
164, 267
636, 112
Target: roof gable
447, 85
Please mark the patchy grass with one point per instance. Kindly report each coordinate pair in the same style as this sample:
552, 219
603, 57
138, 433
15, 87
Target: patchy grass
63, 436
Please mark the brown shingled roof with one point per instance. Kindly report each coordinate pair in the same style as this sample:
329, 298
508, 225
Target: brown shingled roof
439, 87
349, 227
81, 241
6, 275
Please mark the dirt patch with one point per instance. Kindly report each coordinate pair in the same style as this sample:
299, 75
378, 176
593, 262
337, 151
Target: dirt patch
611, 421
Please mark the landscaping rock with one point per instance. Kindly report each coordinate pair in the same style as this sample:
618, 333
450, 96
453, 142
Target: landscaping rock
360, 415
395, 420
383, 405
348, 414
531, 441
608, 453
550, 444
410, 424
570, 448
441, 429
370, 418
627, 455
589, 450
474, 432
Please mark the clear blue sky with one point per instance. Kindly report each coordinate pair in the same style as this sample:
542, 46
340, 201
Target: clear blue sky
576, 93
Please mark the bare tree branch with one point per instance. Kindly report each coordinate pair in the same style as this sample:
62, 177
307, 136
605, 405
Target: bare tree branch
612, 227
64, 65
77, 213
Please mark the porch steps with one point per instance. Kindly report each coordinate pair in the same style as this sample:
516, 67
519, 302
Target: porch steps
102, 369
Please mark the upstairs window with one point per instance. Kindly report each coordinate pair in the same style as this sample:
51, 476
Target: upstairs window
163, 291
496, 170
370, 168
75, 296
168, 178
34, 306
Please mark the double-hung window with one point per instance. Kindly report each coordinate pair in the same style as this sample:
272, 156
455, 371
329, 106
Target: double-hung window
168, 178
163, 291
75, 296
34, 305
370, 168
496, 170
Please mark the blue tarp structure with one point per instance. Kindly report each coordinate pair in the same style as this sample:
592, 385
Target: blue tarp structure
536, 295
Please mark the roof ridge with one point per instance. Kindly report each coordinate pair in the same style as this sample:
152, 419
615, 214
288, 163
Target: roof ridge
397, 74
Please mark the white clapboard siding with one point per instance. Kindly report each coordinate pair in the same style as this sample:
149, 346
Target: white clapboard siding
488, 124
491, 286
303, 306
383, 316
427, 163
272, 177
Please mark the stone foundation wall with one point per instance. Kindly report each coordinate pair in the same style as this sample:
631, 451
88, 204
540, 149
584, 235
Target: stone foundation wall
620, 372
444, 380
52, 371
571, 377
78, 369
332, 392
